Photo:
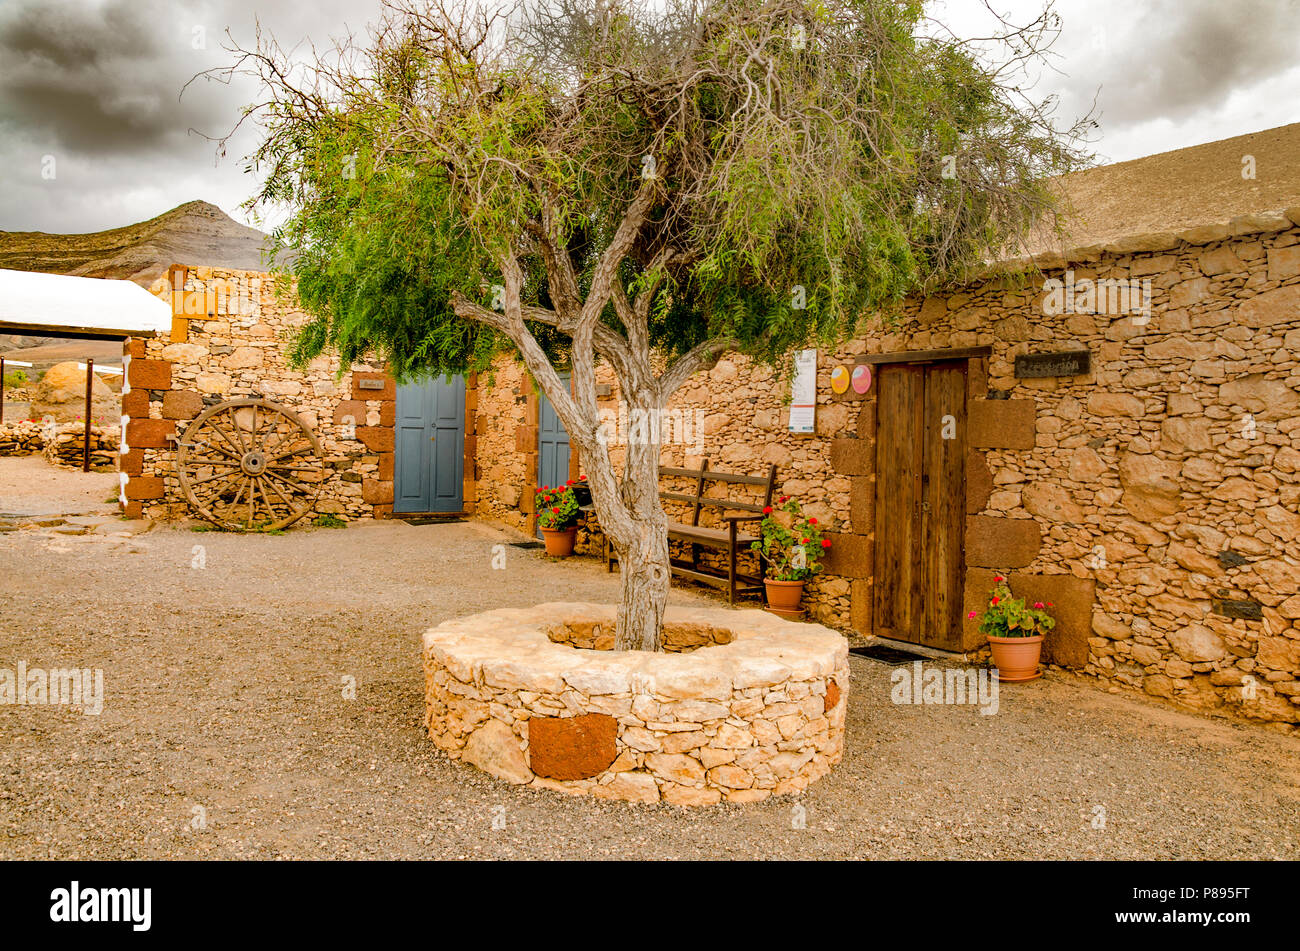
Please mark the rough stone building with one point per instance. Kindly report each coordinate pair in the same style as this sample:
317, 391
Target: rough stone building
1115, 429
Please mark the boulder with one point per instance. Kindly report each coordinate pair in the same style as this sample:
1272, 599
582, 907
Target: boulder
62, 394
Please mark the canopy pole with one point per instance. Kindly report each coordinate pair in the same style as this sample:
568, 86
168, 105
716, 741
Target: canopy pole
85, 447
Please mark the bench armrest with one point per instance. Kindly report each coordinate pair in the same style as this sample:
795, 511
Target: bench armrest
743, 518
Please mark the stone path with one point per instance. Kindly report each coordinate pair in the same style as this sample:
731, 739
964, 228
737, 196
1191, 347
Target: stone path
226, 732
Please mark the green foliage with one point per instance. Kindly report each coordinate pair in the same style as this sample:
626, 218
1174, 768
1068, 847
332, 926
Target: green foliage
329, 520
802, 187
792, 545
1007, 616
16, 378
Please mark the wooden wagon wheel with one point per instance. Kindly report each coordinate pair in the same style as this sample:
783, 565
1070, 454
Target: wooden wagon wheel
250, 465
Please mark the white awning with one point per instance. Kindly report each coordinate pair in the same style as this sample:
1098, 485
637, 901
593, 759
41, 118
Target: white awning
34, 301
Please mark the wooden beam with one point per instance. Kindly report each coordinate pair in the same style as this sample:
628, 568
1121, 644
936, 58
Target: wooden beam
924, 356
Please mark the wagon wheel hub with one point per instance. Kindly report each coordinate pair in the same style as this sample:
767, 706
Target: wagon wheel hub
250, 465
253, 463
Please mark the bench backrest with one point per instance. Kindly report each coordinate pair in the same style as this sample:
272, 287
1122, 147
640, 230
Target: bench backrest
703, 476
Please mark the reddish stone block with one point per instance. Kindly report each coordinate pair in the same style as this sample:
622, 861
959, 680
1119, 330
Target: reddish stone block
525, 438
149, 374
181, 404
567, 748
850, 556
386, 466
350, 408
832, 697
389, 391
149, 433
1001, 424
145, 487
133, 347
382, 511
979, 483
1072, 604
979, 582
867, 420
388, 413
376, 492
376, 438
860, 606
135, 404
853, 456
132, 463
132, 509
993, 542
862, 504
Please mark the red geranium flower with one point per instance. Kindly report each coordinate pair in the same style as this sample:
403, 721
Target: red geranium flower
995, 600
555, 511
971, 615
804, 542
767, 510
812, 521
1038, 604
582, 478
783, 499
826, 543
998, 578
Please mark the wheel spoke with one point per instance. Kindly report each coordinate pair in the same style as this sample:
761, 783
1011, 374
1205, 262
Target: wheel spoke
273, 490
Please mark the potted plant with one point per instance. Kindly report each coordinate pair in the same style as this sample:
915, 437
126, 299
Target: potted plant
557, 517
1015, 632
791, 549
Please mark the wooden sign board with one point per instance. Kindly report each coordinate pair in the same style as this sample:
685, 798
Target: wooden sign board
1068, 363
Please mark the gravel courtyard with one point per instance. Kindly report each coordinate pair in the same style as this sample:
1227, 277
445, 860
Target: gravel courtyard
225, 733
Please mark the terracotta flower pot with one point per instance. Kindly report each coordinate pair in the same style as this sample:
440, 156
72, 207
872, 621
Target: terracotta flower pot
559, 543
1016, 657
783, 595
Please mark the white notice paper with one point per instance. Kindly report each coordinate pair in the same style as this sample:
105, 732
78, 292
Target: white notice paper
803, 393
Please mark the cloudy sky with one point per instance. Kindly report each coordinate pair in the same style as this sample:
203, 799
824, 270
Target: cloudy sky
94, 131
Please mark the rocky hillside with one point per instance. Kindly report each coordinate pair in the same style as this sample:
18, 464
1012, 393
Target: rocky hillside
194, 233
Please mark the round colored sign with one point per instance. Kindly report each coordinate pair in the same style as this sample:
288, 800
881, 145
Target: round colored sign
839, 380
861, 379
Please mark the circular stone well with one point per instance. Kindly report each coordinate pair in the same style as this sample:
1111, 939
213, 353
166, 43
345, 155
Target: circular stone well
740, 705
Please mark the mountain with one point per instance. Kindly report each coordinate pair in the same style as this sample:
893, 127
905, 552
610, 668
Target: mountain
195, 233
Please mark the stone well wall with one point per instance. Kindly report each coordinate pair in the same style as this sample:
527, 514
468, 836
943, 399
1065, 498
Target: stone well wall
536, 697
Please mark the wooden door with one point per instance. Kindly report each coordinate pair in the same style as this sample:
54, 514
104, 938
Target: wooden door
920, 502
430, 463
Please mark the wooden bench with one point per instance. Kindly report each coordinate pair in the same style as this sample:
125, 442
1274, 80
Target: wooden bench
726, 538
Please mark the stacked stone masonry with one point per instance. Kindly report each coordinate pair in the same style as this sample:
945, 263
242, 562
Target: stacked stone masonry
1154, 500
741, 706
237, 347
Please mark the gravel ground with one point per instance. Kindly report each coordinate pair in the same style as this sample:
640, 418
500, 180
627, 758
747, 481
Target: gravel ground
223, 702
31, 486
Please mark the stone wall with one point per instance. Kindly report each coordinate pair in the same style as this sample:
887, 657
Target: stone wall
233, 344
742, 706
1153, 500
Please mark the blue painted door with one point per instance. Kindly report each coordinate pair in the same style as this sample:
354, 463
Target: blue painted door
429, 468
552, 444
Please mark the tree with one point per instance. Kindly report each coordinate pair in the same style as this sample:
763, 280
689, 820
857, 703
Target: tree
647, 185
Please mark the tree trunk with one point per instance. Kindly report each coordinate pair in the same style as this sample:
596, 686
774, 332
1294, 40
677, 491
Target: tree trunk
646, 577
642, 542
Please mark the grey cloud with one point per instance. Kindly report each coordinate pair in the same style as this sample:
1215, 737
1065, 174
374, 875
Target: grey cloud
1172, 59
